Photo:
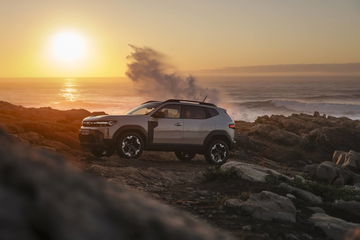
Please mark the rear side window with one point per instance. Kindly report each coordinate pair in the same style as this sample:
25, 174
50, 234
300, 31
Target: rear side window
212, 112
193, 112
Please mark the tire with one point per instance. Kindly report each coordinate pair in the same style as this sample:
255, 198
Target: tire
185, 156
130, 145
102, 152
217, 152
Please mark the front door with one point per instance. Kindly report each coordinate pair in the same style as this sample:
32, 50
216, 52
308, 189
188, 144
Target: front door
169, 129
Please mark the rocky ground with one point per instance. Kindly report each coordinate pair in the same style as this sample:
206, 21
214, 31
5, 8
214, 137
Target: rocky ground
283, 180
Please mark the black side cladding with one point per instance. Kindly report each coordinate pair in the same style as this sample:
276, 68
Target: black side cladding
151, 126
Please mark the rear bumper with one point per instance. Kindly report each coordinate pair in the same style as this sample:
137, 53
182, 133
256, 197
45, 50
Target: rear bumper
90, 138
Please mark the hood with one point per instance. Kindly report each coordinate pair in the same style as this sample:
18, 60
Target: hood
109, 117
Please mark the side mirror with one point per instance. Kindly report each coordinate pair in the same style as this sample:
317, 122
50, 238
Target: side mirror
158, 114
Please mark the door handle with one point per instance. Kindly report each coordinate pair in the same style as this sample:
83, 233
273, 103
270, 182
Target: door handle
178, 124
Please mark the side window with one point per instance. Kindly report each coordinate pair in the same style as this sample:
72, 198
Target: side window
193, 112
212, 112
169, 111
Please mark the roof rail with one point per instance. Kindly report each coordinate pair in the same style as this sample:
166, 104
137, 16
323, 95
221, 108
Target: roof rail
150, 101
191, 101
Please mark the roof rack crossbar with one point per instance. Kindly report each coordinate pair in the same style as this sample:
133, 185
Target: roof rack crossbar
191, 101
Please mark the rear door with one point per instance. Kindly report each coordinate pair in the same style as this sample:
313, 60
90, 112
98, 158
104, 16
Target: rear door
197, 124
169, 129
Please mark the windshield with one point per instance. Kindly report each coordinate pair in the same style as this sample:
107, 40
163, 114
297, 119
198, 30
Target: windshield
144, 108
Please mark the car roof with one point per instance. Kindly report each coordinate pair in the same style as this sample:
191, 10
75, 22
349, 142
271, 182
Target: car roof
184, 102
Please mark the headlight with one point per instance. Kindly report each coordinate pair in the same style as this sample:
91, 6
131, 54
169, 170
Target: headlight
98, 123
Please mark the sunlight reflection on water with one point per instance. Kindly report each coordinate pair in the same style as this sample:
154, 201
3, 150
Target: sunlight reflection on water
69, 91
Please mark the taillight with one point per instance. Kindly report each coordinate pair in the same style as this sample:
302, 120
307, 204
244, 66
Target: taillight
232, 125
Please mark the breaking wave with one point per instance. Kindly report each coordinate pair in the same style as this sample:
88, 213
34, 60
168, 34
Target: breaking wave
249, 111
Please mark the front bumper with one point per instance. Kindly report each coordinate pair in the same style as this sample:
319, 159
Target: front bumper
90, 138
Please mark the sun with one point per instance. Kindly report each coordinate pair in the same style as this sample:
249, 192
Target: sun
69, 47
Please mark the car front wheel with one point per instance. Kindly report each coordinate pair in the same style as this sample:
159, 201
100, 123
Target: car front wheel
130, 145
185, 156
217, 152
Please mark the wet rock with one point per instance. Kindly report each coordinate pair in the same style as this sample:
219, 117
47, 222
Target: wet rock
266, 206
251, 172
302, 194
335, 228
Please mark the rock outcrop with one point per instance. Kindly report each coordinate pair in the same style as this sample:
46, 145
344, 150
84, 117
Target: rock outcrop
266, 206
44, 126
251, 172
301, 139
302, 194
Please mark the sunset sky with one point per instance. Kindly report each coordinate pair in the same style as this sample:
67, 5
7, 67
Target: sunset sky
89, 38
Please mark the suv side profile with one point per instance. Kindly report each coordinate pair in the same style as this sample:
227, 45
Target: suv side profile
181, 126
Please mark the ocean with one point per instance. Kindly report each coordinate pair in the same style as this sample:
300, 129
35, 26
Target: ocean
245, 97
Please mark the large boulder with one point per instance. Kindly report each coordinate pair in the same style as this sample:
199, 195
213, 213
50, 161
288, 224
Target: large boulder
336, 228
331, 173
302, 194
42, 198
251, 172
327, 172
266, 206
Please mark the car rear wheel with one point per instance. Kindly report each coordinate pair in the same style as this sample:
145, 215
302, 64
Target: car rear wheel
185, 156
130, 145
217, 152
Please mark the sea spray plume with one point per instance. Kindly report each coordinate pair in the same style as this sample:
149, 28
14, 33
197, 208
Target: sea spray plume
156, 79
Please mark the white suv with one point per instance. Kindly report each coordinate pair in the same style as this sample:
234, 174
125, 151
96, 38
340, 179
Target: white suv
182, 126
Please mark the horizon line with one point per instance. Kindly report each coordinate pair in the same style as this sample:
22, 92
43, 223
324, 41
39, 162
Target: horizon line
202, 70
